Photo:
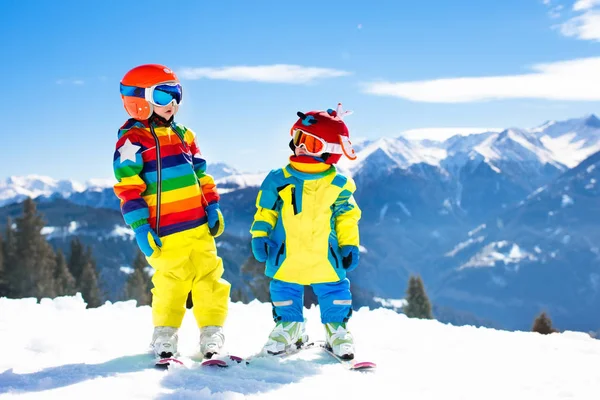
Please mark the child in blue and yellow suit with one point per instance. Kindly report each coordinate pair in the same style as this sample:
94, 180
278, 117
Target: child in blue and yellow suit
306, 229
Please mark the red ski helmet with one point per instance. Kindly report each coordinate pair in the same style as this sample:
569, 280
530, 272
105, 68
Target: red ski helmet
323, 132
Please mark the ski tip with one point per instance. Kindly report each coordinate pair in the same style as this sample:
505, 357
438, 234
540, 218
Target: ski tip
222, 360
214, 362
364, 365
165, 363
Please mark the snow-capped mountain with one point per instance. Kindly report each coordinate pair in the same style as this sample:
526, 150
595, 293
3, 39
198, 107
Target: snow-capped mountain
554, 145
16, 188
221, 170
99, 193
544, 251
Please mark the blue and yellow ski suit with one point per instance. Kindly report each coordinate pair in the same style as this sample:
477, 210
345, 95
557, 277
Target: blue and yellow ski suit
309, 212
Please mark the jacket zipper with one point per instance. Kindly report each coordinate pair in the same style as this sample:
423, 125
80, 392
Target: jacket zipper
334, 256
158, 179
280, 253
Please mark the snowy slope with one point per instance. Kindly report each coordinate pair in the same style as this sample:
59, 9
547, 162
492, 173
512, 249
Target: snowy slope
570, 141
57, 349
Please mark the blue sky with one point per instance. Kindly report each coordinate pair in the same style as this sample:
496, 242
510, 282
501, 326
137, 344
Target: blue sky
396, 64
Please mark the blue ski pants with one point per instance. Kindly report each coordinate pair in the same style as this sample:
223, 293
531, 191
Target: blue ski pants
335, 300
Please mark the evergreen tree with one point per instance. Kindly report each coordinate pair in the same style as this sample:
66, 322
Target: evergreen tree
77, 260
258, 281
543, 324
65, 283
89, 286
139, 283
9, 251
32, 274
418, 303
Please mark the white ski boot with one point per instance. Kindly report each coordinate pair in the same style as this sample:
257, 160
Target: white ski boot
286, 336
211, 340
164, 341
339, 340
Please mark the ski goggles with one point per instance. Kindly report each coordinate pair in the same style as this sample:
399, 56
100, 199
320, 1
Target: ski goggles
316, 146
160, 95
312, 144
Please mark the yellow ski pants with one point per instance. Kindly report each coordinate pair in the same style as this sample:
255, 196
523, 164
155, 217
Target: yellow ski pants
188, 261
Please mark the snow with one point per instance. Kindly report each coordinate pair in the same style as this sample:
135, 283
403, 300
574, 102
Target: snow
395, 304
496, 252
591, 184
464, 245
477, 229
239, 181
17, 188
568, 149
404, 209
566, 201
122, 232
58, 349
126, 270
53, 232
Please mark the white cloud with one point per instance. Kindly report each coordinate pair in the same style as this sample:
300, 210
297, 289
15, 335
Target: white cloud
555, 12
546, 2
70, 82
443, 133
575, 80
278, 73
585, 26
585, 4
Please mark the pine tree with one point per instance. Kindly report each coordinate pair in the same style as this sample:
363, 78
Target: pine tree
543, 324
65, 283
35, 261
418, 303
77, 260
9, 251
258, 282
138, 284
89, 286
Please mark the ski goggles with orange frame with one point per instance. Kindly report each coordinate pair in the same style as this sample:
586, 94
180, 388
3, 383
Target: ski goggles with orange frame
315, 146
160, 95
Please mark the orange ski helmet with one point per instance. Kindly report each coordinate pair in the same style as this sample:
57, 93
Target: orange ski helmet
138, 89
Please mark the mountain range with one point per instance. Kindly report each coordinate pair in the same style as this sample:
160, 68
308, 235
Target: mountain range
500, 225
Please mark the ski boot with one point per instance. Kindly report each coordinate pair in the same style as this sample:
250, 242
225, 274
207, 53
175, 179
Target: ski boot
339, 340
285, 337
164, 341
211, 340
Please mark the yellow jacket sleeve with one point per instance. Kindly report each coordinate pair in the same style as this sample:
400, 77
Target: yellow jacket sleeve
346, 214
267, 212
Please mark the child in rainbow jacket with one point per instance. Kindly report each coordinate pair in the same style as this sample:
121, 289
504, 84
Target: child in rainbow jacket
172, 205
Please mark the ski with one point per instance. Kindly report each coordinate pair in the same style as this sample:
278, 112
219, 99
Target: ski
166, 363
222, 361
350, 364
228, 360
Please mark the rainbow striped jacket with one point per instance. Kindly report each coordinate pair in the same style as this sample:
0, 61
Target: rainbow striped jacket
161, 177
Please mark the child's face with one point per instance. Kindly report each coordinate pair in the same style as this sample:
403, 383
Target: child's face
300, 151
167, 111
